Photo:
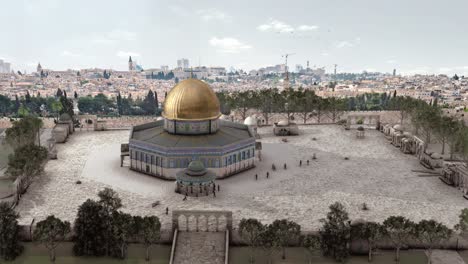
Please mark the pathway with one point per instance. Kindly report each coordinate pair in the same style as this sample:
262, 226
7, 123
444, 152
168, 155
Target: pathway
200, 248
446, 257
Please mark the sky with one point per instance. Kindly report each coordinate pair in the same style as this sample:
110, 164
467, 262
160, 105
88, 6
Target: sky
413, 36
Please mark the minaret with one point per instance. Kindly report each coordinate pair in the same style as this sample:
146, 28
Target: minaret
39, 68
131, 67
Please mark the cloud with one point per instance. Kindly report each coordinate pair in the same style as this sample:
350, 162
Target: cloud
113, 36
213, 14
281, 27
126, 54
277, 26
228, 45
391, 61
307, 28
67, 53
344, 44
347, 43
325, 54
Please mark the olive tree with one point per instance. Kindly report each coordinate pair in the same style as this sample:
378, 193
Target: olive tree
335, 233
370, 232
398, 229
250, 231
149, 229
9, 231
286, 232
431, 233
50, 232
311, 243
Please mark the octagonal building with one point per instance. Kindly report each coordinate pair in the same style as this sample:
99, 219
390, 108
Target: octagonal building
191, 130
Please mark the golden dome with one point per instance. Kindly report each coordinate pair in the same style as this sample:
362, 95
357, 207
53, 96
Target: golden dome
191, 99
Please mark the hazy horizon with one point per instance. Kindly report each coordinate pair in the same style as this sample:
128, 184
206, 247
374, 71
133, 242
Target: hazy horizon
360, 35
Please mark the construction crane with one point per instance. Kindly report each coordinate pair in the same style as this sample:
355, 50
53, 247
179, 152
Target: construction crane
286, 80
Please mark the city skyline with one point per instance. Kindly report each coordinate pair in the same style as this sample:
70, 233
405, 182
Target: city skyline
359, 35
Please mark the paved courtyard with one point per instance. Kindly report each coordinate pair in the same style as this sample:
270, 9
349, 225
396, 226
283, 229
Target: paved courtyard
376, 173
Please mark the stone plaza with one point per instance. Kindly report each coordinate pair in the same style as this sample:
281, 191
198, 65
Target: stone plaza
375, 173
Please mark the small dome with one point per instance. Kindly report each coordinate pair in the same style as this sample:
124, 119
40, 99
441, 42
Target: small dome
283, 123
397, 127
250, 121
196, 166
65, 117
225, 117
159, 118
360, 128
191, 99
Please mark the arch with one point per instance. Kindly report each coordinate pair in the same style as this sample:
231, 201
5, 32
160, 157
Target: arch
222, 223
192, 223
202, 223
212, 223
182, 223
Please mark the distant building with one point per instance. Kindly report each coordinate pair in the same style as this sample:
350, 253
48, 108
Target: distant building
299, 68
394, 72
4, 67
131, 64
183, 63
164, 68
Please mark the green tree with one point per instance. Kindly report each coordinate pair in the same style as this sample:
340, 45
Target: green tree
398, 229
122, 230
9, 233
110, 201
267, 240
286, 232
335, 233
370, 232
26, 162
23, 132
50, 232
311, 243
149, 229
250, 230
431, 233
57, 107
90, 230
149, 104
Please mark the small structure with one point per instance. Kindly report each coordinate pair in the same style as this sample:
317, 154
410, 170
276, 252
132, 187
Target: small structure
63, 128
51, 150
369, 121
397, 135
195, 180
360, 132
456, 174
285, 128
100, 125
124, 152
252, 123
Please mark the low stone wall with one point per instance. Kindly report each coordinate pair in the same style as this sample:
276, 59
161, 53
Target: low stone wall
6, 123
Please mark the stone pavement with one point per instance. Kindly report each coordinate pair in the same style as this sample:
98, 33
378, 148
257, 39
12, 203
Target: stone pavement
446, 257
200, 248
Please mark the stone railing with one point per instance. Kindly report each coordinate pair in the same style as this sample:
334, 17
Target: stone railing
204, 221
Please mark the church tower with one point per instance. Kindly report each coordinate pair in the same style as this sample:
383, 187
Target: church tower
39, 68
131, 66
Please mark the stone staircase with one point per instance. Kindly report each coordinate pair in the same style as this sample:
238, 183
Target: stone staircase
200, 248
